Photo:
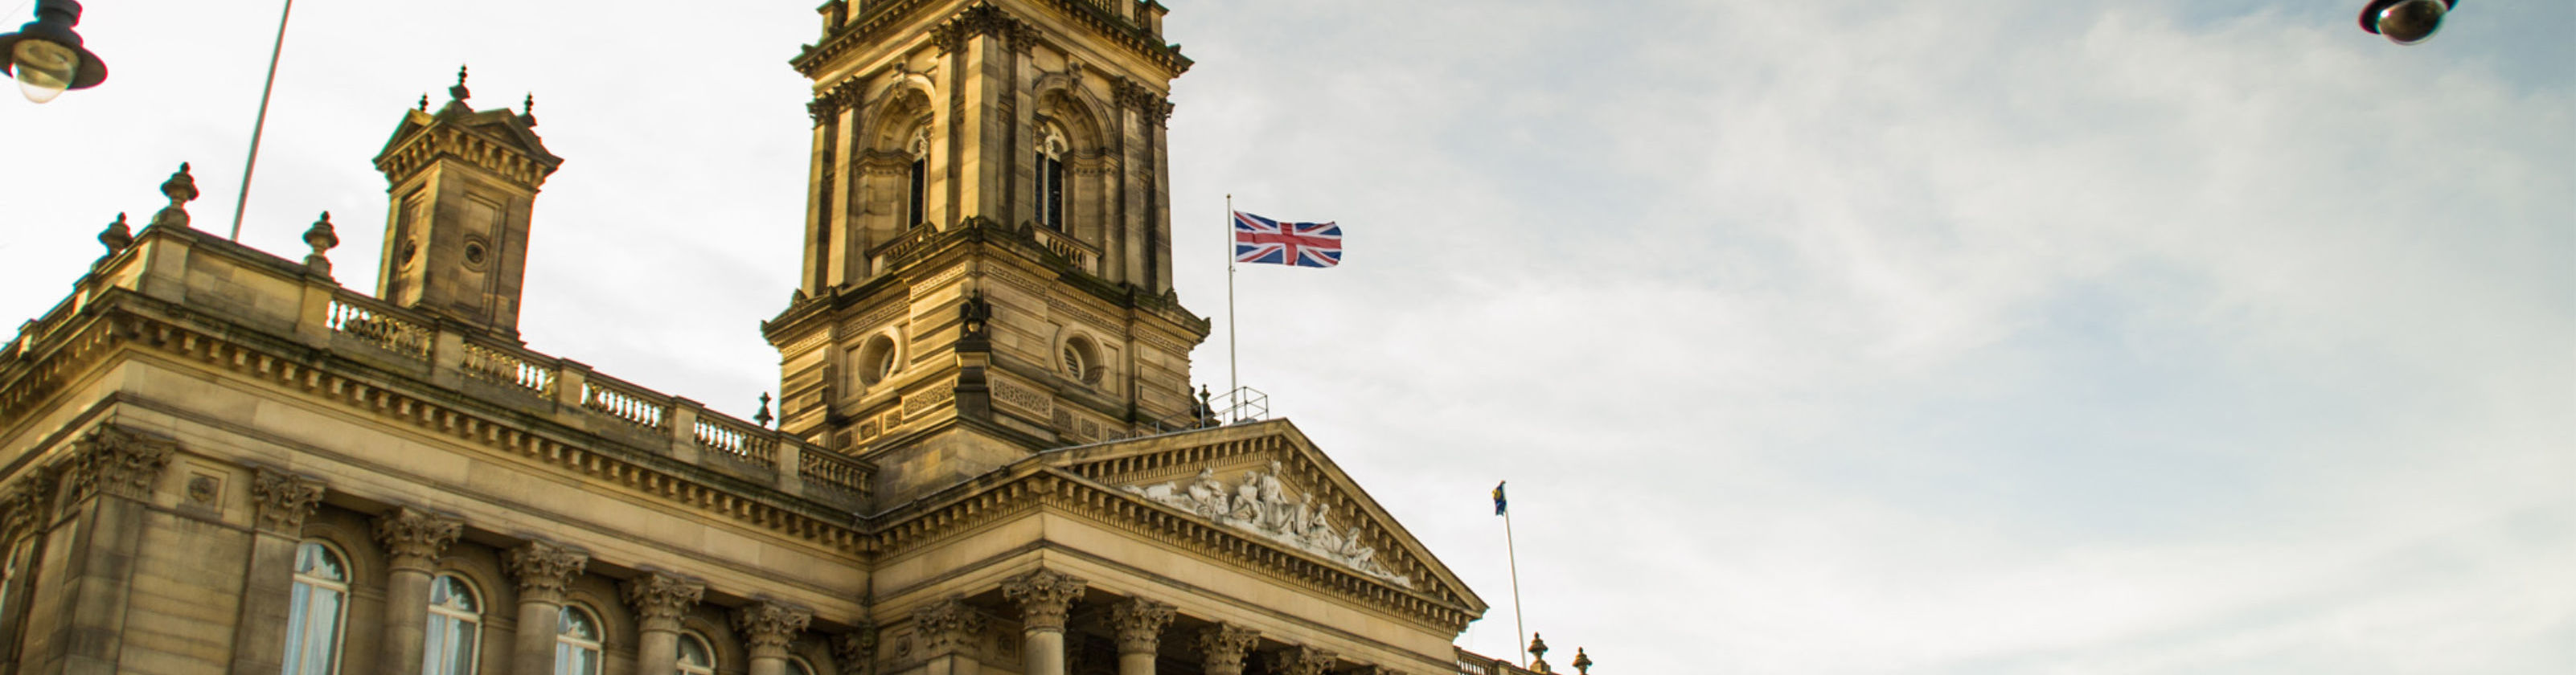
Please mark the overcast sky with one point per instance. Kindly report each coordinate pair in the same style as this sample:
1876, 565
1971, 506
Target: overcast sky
1816, 336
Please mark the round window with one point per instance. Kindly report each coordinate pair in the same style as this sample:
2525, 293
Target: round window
876, 360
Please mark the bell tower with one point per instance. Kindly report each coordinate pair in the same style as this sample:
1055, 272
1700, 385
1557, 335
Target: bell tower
987, 267
462, 183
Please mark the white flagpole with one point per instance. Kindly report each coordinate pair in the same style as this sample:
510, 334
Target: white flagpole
1234, 375
1511, 554
243, 201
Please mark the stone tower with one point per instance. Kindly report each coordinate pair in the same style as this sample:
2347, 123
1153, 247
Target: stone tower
463, 182
987, 267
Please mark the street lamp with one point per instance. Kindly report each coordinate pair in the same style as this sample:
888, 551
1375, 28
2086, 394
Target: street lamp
2405, 22
46, 56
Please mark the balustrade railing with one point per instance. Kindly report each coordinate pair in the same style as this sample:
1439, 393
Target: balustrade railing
379, 327
634, 407
735, 439
499, 366
1064, 245
832, 473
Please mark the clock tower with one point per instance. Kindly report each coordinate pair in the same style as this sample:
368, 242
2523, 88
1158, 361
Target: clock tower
987, 269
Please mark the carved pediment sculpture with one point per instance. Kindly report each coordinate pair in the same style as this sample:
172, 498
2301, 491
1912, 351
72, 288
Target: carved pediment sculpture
1262, 504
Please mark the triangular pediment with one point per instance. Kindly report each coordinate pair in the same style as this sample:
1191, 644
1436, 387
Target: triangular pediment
1268, 482
499, 129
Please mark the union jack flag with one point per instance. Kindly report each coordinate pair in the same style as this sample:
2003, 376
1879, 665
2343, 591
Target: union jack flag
1262, 240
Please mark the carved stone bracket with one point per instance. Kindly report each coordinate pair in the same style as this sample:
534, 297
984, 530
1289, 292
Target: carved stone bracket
1140, 625
543, 570
856, 651
413, 538
768, 627
948, 626
117, 462
284, 499
1224, 645
1302, 660
661, 598
1044, 596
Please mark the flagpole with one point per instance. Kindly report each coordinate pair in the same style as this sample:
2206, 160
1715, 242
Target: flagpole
1509, 553
1234, 376
243, 201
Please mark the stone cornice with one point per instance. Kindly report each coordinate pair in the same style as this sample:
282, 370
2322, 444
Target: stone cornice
884, 19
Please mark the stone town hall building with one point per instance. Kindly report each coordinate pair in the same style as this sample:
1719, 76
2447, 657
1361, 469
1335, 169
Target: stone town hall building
986, 460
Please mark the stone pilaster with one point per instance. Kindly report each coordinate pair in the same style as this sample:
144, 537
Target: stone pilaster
767, 628
856, 651
1045, 596
91, 537
660, 599
1223, 647
1139, 623
413, 540
1301, 660
543, 571
280, 502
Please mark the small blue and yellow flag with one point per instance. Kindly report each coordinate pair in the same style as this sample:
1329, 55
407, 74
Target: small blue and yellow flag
1498, 497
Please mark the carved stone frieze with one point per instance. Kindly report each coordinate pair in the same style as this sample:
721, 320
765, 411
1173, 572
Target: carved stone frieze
1302, 660
543, 570
283, 499
856, 651
1224, 645
1044, 596
947, 626
1261, 504
413, 538
1139, 623
114, 461
661, 598
768, 627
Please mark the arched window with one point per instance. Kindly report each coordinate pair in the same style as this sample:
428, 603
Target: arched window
455, 627
696, 658
798, 666
576, 642
320, 597
1050, 172
916, 199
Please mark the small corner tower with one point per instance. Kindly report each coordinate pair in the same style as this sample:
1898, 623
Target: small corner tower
462, 184
988, 253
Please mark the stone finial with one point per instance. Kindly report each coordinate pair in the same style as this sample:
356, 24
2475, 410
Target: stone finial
459, 93
544, 570
661, 598
116, 237
769, 626
413, 538
1224, 646
762, 417
424, 102
1140, 624
322, 238
284, 499
181, 188
528, 109
1538, 654
1582, 662
1044, 595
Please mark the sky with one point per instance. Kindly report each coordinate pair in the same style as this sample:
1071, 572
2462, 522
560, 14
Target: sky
1829, 336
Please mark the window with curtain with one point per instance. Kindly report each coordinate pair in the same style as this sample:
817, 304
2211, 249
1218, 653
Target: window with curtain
320, 597
1050, 174
577, 642
696, 657
455, 627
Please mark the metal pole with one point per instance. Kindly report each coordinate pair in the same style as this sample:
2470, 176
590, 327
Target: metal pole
1518, 630
243, 201
1234, 376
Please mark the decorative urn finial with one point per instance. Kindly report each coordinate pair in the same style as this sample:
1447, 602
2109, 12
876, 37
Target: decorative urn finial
528, 109
762, 418
1538, 654
424, 101
1582, 662
459, 93
181, 188
116, 237
322, 237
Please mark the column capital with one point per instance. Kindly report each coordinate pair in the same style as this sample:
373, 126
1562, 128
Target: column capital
413, 538
660, 599
543, 570
1044, 596
27, 505
768, 626
1140, 623
947, 626
1224, 645
856, 651
114, 461
1302, 660
283, 500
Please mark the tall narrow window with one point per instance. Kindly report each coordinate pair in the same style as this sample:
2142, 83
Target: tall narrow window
1050, 171
320, 596
916, 207
576, 642
696, 658
455, 627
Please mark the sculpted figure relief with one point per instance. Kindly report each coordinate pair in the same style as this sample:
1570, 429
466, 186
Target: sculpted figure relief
1261, 504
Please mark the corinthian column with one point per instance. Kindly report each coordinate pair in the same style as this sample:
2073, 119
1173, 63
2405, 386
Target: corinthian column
949, 629
543, 570
768, 628
1044, 596
660, 599
412, 539
283, 501
1140, 625
1223, 645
